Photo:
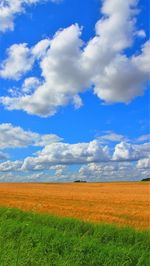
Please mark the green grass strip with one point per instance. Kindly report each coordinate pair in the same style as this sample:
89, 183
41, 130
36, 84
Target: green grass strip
34, 239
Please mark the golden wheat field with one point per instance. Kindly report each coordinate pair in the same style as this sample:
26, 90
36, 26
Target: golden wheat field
120, 203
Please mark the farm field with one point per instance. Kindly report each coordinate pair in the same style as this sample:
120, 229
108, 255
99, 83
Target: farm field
124, 204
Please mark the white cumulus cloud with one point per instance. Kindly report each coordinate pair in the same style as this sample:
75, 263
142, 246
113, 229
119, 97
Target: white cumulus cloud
64, 153
93, 160
10, 8
13, 137
130, 152
117, 171
144, 163
18, 62
69, 67
10, 166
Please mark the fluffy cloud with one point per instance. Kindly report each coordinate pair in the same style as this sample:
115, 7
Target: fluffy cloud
55, 152
40, 49
125, 151
34, 177
10, 166
46, 139
117, 171
18, 62
13, 177
20, 59
10, 8
129, 162
30, 84
116, 77
142, 61
113, 137
144, 149
84, 153
12, 137
121, 81
143, 138
100, 64
97, 162
61, 84
128, 152
92, 172
64, 153
59, 170
144, 163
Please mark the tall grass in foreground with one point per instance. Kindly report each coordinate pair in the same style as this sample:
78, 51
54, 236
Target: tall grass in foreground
43, 240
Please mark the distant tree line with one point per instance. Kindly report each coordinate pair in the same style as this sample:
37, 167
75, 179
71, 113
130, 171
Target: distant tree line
80, 181
146, 179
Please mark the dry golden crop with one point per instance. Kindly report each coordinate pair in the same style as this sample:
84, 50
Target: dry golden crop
120, 203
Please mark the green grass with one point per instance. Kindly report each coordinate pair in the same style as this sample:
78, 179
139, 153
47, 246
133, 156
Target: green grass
43, 240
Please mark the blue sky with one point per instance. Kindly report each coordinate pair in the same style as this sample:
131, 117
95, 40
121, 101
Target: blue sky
74, 99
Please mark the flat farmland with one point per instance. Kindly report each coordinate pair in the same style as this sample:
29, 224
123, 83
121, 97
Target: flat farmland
124, 204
